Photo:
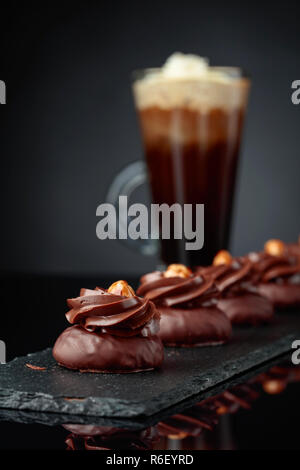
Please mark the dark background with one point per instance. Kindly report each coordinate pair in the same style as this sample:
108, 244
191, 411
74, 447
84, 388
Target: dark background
69, 124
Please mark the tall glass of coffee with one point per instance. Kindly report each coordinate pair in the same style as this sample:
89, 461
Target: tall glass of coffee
191, 118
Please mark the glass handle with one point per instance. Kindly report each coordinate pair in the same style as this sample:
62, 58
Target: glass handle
124, 184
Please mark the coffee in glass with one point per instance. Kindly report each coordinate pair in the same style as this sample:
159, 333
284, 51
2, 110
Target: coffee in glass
191, 117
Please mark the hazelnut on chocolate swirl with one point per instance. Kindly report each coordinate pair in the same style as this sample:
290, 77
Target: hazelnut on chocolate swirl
239, 299
118, 315
113, 331
276, 273
230, 275
177, 291
187, 305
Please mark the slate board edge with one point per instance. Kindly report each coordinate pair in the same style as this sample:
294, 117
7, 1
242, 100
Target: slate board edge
107, 407
135, 423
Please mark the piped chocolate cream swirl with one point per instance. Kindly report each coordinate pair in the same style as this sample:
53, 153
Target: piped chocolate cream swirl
119, 315
293, 249
276, 273
231, 276
173, 288
187, 304
239, 297
279, 263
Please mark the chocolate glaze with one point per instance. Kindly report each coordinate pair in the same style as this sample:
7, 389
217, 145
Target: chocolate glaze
77, 348
245, 308
282, 296
239, 298
278, 277
193, 327
110, 333
189, 316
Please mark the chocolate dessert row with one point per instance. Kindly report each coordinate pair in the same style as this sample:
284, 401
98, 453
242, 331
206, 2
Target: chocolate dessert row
116, 330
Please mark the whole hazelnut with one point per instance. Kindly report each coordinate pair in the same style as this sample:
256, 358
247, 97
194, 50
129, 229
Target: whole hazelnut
274, 247
177, 270
121, 288
222, 257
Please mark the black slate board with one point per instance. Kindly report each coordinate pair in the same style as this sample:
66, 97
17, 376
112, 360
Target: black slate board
186, 373
136, 422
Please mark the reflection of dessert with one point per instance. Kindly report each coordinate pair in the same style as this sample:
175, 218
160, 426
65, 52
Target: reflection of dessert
182, 430
277, 273
238, 299
84, 437
187, 305
205, 415
113, 331
190, 422
277, 378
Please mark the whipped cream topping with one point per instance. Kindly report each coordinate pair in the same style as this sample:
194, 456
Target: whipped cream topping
183, 66
188, 80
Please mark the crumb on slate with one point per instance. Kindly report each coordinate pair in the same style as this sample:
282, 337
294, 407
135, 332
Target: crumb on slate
73, 399
31, 366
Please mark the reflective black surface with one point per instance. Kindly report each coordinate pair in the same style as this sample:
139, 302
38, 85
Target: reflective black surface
262, 412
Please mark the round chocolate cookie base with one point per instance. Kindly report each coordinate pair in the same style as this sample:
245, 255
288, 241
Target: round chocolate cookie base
79, 349
193, 327
194, 345
104, 371
281, 295
248, 309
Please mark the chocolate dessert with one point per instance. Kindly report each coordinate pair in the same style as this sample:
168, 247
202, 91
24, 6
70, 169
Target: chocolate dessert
276, 272
293, 249
239, 299
187, 305
112, 331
